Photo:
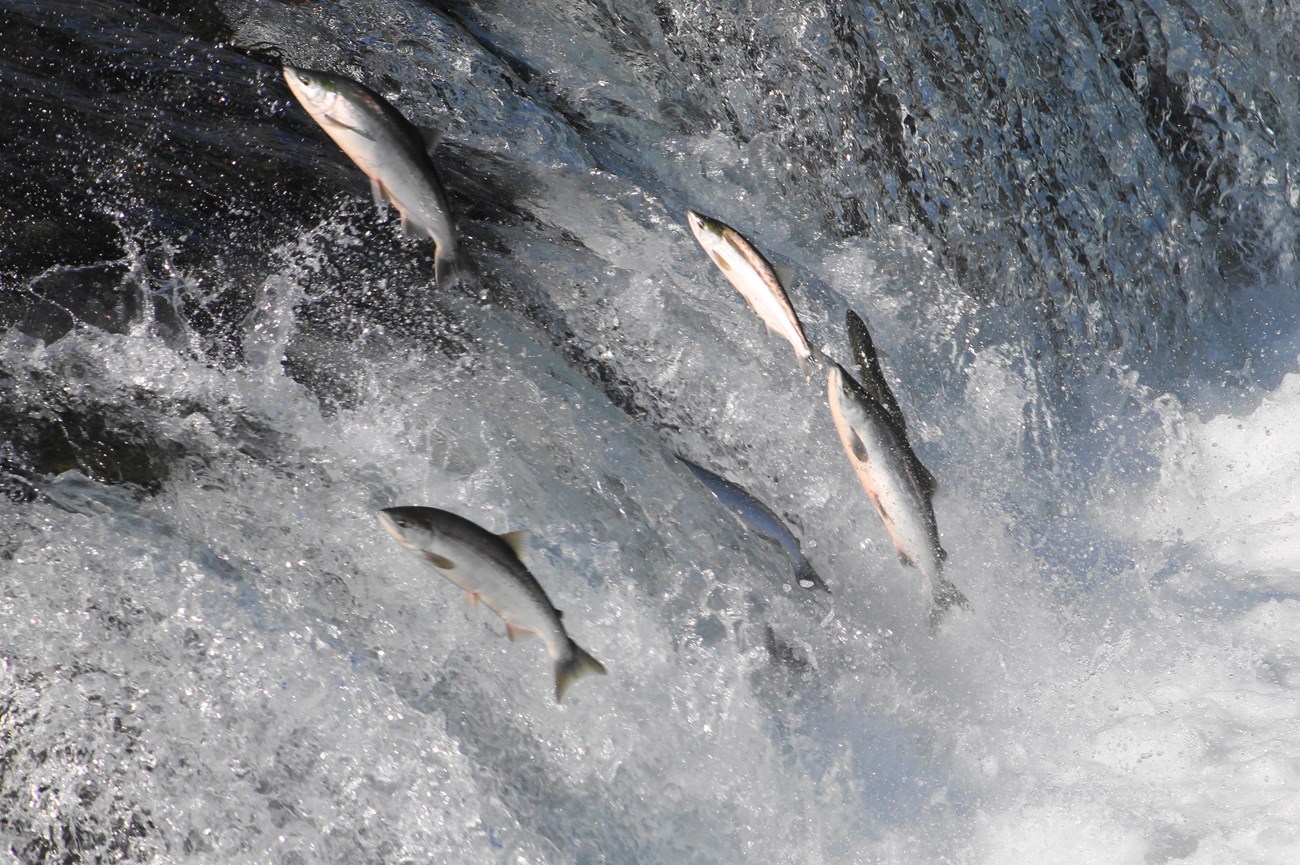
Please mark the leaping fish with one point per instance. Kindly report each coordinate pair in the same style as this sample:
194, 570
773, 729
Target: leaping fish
489, 568
756, 280
900, 494
762, 521
392, 153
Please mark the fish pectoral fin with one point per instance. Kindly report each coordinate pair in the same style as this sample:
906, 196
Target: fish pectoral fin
355, 130
440, 562
720, 262
517, 542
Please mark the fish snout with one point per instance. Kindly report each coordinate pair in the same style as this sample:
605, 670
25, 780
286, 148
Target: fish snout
396, 526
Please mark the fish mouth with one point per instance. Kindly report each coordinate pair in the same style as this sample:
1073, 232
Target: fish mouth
297, 77
701, 225
840, 382
834, 380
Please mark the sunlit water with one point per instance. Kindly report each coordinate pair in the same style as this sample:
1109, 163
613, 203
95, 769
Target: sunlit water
1072, 230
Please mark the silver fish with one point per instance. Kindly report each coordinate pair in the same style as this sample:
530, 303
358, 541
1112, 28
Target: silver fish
761, 520
489, 568
756, 280
392, 153
879, 454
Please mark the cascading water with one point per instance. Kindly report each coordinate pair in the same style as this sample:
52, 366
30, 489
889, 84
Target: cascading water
1071, 227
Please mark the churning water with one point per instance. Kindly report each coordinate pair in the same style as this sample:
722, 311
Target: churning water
1071, 226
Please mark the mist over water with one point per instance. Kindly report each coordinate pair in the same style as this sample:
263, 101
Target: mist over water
1072, 229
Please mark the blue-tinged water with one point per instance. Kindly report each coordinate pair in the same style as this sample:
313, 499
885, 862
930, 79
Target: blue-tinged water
1072, 229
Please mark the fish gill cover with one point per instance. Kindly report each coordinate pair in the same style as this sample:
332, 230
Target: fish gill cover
1072, 228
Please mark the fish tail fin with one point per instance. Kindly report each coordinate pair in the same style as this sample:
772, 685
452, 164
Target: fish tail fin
449, 269
816, 357
576, 664
946, 596
804, 573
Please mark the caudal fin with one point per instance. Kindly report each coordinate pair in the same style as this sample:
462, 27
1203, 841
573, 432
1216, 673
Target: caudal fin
450, 269
810, 579
946, 596
816, 359
577, 664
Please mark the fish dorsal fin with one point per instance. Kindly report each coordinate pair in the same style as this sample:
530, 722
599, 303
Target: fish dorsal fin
928, 483
867, 357
431, 137
784, 275
516, 541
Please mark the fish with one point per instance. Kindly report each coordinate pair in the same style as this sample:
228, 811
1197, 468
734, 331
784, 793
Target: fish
761, 520
901, 496
873, 382
392, 153
490, 569
758, 282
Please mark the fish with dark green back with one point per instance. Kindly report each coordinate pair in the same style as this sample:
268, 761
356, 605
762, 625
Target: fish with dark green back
489, 568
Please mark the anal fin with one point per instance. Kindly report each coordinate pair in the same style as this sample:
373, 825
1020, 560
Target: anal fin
514, 632
411, 229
